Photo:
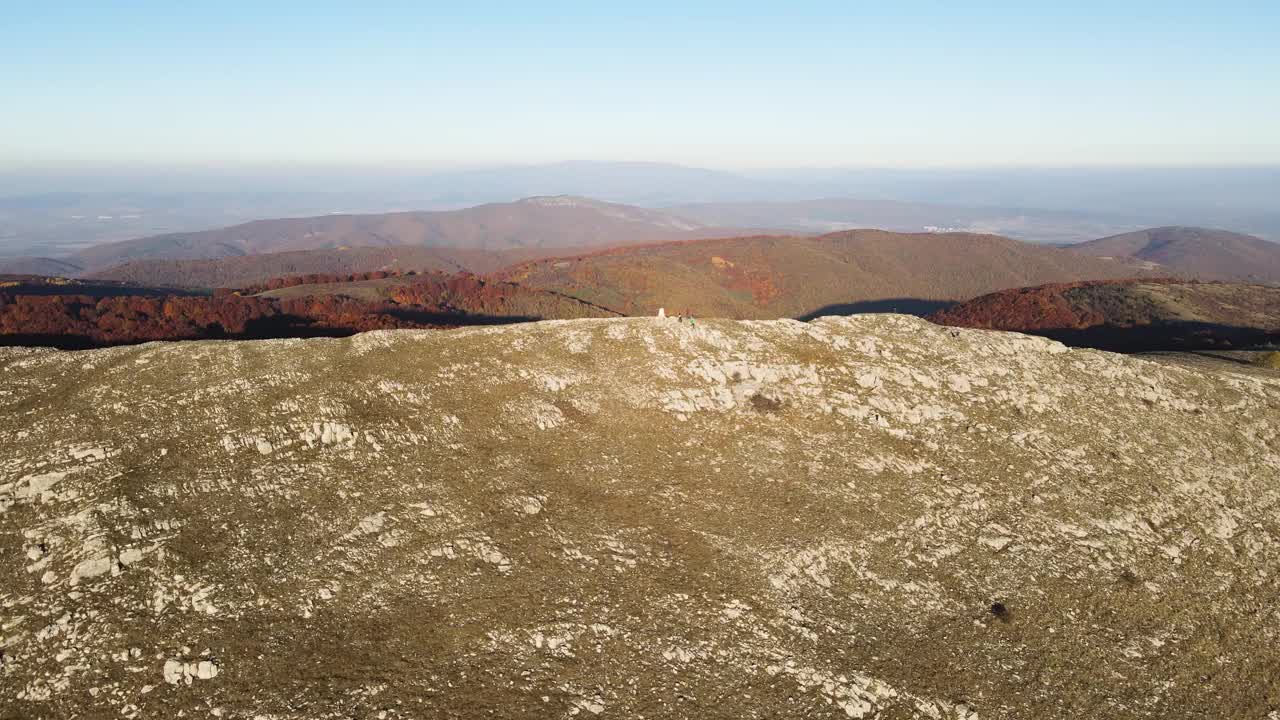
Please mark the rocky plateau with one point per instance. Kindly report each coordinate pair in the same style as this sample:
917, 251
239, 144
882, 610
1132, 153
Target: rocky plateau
859, 517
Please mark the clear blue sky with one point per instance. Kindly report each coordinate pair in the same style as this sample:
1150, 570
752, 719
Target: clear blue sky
725, 84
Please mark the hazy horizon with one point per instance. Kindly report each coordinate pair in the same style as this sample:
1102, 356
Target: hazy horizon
175, 118
18, 180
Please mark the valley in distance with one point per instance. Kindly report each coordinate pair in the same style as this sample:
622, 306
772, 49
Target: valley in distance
558, 257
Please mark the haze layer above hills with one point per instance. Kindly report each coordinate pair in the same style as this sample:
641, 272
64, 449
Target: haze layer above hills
1192, 251
867, 517
770, 277
831, 214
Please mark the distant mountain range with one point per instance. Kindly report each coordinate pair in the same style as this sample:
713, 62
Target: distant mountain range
529, 225
486, 238
532, 223
1193, 252
1040, 205
633, 260
839, 273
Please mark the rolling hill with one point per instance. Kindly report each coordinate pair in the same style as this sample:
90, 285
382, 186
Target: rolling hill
31, 265
532, 223
1193, 252
1131, 315
839, 273
242, 270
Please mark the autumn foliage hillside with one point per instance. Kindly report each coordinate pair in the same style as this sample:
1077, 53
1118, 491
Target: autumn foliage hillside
462, 293
1131, 314
297, 309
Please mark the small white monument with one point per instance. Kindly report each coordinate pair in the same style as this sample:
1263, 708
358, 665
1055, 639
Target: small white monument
662, 312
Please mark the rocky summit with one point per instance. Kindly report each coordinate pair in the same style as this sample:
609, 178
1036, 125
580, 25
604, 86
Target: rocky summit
863, 517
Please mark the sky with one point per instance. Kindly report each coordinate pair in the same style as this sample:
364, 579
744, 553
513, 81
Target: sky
733, 85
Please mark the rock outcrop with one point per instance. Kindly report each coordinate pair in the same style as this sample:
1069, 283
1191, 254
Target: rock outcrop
856, 517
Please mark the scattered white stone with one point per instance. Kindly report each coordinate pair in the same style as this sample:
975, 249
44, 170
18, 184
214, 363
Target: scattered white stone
172, 672
328, 433
997, 543
37, 487
91, 568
